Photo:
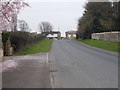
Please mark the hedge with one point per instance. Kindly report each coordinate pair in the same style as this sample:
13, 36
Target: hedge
20, 39
5, 36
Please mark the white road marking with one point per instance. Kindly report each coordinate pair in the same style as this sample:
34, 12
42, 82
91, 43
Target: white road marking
51, 79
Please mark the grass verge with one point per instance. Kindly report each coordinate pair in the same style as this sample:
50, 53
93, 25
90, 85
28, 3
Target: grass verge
40, 47
108, 45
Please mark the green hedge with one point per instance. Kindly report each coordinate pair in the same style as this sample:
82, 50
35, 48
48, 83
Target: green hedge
20, 39
5, 36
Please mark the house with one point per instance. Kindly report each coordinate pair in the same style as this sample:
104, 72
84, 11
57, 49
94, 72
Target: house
50, 36
54, 35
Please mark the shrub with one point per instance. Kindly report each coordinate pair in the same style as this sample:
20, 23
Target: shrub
5, 36
20, 39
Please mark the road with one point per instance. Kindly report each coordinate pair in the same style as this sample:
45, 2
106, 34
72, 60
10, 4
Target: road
67, 65
75, 66
29, 71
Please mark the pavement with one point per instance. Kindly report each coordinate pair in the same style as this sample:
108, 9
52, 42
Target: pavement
29, 71
73, 65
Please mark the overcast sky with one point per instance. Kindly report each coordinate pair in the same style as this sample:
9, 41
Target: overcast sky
63, 15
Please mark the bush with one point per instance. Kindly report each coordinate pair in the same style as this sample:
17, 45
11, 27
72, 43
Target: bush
5, 39
5, 36
20, 39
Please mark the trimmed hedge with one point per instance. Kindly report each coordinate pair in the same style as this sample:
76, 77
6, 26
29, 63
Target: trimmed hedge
20, 39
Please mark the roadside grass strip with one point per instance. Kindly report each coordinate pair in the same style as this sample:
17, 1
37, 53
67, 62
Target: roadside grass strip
40, 47
107, 45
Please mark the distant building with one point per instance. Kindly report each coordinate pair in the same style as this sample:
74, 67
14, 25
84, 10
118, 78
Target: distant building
50, 36
72, 34
54, 35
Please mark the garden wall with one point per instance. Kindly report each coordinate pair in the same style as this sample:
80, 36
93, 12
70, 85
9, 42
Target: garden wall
108, 36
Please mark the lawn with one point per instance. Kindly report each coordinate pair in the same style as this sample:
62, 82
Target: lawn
108, 45
40, 47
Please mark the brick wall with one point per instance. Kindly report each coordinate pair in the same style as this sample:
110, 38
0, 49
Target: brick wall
108, 36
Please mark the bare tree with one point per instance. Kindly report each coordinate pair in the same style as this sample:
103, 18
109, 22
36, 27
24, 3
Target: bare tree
23, 26
45, 27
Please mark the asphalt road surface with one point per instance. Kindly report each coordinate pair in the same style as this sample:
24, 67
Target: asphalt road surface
71, 66
30, 71
75, 66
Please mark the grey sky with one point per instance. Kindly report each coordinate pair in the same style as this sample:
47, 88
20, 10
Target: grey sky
62, 15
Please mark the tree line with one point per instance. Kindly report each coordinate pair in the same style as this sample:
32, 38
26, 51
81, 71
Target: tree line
99, 17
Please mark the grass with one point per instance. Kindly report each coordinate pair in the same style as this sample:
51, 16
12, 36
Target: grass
40, 47
108, 45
